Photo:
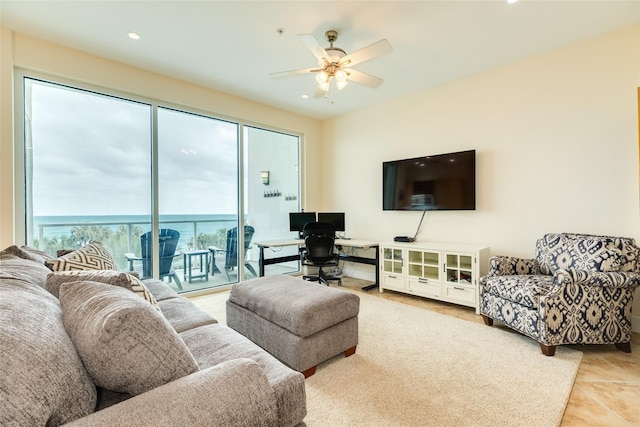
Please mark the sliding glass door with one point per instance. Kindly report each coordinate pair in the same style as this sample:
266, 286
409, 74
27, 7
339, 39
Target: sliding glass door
198, 193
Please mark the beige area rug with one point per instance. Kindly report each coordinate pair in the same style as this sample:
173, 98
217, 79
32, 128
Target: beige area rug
414, 367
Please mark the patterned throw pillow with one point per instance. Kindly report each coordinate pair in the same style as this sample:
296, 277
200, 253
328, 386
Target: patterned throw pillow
125, 345
110, 277
91, 257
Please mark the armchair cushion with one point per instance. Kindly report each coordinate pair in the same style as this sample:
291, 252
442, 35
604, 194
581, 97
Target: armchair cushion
125, 344
596, 253
521, 289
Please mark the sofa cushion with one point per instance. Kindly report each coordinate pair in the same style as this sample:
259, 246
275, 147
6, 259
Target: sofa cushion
183, 314
32, 271
30, 253
42, 379
110, 277
93, 256
125, 344
524, 290
159, 289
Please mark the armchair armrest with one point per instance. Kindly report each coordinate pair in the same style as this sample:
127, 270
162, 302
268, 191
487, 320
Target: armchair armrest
587, 307
602, 279
235, 392
510, 266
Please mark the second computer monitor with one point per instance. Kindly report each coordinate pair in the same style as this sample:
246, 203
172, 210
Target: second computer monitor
335, 218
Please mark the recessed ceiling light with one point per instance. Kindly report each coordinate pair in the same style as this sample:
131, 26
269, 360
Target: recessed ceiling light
133, 35
305, 96
511, 1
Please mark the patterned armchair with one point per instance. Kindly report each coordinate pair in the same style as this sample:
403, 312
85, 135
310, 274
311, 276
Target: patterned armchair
578, 290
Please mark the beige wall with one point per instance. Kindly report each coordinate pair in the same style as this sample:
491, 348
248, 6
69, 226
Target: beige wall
37, 55
556, 140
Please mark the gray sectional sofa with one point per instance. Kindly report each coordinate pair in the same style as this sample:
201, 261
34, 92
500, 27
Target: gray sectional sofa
77, 350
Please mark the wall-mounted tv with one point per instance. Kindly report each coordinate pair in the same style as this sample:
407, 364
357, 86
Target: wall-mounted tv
440, 182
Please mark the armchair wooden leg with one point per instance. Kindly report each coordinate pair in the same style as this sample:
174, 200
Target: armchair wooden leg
487, 320
548, 350
624, 346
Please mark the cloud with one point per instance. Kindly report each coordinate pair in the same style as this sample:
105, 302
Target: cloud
92, 156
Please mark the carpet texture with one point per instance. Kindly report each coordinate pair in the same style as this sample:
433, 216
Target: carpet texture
414, 367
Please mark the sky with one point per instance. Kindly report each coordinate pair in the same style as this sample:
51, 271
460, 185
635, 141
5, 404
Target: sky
92, 156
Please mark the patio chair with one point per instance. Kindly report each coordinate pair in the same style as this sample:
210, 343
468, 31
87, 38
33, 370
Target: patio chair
168, 242
231, 251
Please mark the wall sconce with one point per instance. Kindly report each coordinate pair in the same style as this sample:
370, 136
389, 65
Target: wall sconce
265, 177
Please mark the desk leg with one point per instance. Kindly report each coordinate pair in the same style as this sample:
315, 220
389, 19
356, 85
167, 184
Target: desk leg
377, 284
261, 262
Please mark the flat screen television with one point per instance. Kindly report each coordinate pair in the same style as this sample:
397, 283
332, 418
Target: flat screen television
440, 182
335, 218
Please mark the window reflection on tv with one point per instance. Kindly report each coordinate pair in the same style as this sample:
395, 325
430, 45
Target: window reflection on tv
440, 182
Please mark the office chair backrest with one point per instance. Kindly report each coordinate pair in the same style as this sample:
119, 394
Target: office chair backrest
318, 229
319, 238
168, 243
231, 258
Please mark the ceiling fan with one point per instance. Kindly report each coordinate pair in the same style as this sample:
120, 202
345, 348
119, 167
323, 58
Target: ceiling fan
334, 64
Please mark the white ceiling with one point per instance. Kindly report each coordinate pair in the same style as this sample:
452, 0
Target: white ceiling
233, 46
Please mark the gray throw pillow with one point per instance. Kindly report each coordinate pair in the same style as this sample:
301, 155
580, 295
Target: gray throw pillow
42, 380
93, 256
126, 345
110, 277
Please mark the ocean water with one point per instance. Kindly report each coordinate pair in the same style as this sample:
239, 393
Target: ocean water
56, 226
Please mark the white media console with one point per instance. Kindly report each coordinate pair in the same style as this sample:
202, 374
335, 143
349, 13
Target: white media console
441, 271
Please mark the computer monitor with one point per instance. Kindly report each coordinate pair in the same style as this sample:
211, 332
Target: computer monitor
297, 220
335, 218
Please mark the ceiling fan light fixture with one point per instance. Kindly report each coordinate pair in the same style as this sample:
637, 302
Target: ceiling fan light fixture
324, 86
341, 84
341, 76
322, 77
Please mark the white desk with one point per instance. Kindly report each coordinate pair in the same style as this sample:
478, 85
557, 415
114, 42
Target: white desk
353, 243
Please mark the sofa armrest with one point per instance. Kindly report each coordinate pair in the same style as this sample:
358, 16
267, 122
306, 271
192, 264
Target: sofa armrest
235, 392
509, 266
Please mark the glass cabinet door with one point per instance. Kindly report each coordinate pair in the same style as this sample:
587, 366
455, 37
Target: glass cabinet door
392, 260
424, 264
459, 268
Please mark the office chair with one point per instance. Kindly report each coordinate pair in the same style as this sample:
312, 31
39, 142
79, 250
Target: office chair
168, 242
319, 238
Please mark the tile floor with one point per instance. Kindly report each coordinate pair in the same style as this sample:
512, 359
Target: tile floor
607, 388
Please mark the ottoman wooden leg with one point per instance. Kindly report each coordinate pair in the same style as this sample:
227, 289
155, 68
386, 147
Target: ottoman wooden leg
309, 372
348, 352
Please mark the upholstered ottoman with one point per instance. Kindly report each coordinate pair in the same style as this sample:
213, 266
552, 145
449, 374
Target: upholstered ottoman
300, 323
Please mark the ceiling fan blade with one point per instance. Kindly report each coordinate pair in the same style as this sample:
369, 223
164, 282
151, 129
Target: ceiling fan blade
363, 78
294, 72
315, 47
367, 53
